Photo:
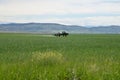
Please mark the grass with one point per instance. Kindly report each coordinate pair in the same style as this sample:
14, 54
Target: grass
76, 57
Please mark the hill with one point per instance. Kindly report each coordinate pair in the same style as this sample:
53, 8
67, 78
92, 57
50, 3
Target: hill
54, 27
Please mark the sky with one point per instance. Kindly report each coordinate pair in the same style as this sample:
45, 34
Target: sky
69, 12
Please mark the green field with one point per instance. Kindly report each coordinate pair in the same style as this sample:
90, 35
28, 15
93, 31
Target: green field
45, 57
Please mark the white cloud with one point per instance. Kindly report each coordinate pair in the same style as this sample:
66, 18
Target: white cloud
20, 7
84, 21
12, 9
92, 21
29, 8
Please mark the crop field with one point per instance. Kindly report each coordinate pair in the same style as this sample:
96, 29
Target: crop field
46, 57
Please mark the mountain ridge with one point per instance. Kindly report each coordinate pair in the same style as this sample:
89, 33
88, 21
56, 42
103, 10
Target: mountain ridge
56, 27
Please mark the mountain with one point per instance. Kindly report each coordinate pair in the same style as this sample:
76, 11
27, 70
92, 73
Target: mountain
54, 27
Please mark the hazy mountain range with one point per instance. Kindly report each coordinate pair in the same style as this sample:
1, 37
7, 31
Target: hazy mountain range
54, 27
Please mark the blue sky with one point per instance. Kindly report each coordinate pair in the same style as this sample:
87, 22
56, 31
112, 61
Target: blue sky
71, 12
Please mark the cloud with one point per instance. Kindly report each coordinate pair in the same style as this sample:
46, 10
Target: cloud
84, 21
90, 21
82, 12
32, 7
35, 7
